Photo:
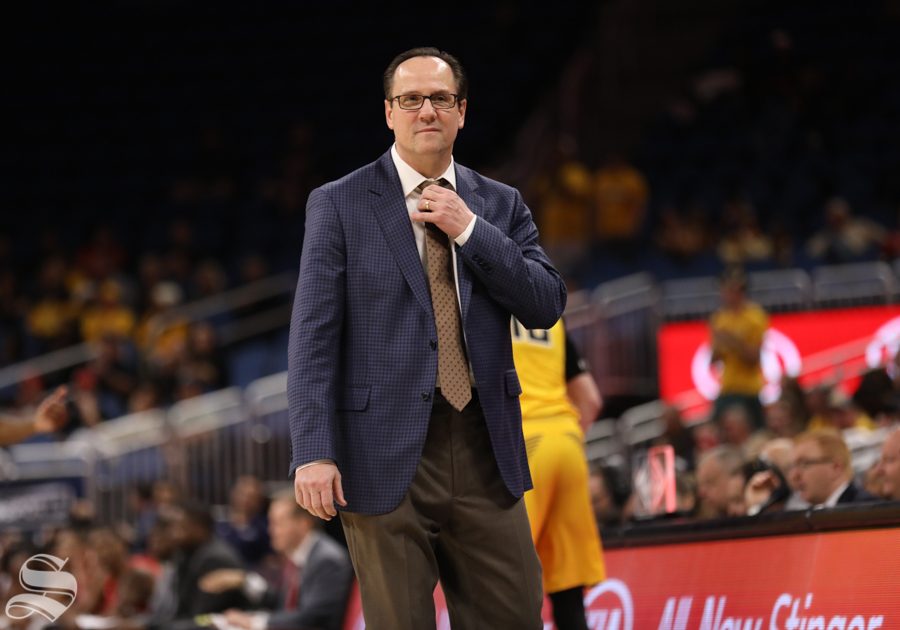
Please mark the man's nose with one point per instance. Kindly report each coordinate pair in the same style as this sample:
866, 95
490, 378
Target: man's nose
427, 110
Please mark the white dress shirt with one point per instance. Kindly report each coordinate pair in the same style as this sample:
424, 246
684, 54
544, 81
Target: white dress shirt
410, 179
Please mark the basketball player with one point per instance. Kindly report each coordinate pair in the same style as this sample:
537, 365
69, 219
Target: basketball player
559, 402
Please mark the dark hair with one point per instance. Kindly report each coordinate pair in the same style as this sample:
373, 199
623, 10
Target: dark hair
19, 547
199, 514
733, 275
462, 84
286, 495
143, 490
615, 483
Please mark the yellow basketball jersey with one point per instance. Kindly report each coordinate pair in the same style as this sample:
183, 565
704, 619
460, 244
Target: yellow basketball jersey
540, 358
749, 325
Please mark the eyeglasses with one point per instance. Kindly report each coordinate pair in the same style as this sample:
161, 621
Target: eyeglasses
803, 464
439, 100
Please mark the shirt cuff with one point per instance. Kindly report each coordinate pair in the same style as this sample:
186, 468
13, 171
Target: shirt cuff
255, 587
313, 463
260, 621
462, 238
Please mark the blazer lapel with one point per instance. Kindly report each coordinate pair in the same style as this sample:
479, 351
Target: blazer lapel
466, 189
393, 218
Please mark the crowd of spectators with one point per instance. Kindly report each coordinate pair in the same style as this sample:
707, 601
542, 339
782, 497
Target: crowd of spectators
798, 459
598, 224
121, 285
135, 363
175, 561
778, 151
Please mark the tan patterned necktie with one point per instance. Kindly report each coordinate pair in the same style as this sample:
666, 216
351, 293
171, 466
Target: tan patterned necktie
453, 367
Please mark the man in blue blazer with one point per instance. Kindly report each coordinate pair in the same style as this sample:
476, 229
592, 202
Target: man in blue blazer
402, 391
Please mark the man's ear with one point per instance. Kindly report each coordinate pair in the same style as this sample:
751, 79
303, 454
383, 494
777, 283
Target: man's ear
388, 114
462, 113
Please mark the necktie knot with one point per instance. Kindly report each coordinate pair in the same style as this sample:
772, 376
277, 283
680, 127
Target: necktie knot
443, 183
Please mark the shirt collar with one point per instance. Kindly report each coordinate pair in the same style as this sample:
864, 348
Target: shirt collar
301, 554
832, 500
410, 178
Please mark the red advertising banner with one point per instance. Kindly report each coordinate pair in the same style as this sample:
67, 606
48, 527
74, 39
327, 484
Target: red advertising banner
829, 345
846, 580
835, 581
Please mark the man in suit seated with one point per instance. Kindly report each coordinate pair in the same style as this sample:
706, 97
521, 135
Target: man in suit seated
718, 471
315, 583
821, 472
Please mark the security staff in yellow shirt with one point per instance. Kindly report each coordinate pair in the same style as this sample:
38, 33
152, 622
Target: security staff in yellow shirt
559, 402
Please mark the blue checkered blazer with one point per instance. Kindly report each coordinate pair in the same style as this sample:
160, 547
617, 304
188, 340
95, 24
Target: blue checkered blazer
362, 362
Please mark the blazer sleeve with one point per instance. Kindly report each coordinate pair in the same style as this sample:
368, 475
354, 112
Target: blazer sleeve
514, 268
314, 342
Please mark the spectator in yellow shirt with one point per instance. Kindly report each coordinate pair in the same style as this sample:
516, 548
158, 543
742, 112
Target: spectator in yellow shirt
620, 194
109, 316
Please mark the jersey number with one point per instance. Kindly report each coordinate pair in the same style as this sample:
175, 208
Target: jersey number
537, 335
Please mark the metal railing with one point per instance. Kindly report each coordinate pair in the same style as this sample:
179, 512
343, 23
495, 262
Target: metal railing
49, 363
623, 318
854, 284
226, 302
270, 436
201, 445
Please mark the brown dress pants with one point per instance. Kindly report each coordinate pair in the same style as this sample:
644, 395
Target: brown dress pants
458, 523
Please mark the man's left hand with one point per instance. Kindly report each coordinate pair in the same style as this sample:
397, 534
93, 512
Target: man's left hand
445, 209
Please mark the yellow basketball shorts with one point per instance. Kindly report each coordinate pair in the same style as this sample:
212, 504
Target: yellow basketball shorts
559, 507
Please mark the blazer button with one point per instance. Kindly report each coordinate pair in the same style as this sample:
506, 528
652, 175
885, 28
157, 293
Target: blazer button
426, 396
433, 344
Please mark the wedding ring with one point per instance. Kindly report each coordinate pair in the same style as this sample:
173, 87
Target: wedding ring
428, 205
